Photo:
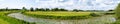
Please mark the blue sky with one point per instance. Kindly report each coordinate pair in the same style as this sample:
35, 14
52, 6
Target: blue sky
67, 4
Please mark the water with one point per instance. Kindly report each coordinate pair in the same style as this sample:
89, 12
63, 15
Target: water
95, 20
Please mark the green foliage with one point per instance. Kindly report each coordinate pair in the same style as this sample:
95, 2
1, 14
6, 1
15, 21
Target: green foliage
24, 8
117, 14
47, 9
117, 11
110, 10
55, 9
94, 15
109, 13
41, 9
63, 9
31, 9
6, 9
75, 10
36, 9
22, 11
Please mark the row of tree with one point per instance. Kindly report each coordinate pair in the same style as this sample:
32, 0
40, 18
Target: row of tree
61, 9
47, 9
6, 9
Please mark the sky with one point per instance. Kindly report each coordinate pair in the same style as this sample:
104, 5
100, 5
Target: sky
66, 4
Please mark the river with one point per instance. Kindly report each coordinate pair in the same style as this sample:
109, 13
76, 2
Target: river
95, 20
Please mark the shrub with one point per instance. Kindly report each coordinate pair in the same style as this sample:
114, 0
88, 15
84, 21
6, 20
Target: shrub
94, 15
117, 12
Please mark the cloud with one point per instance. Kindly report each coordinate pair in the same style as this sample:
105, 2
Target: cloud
80, 4
16, 4
55, 3
67, 4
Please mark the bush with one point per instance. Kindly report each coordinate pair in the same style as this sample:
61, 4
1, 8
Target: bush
94, 15
117, 12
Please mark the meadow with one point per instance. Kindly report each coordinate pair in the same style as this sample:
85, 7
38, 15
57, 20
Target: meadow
59, 15
4, 19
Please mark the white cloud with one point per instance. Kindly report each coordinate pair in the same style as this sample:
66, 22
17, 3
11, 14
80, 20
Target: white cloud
54, 3
67, 4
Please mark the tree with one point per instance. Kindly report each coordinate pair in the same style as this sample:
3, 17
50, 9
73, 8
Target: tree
80, 10
94, 14
63, 9
55, 9
24, 8
47, 9
36, 9
75, 10
110, 10
6, 9
117, 11
41, 9
31, 9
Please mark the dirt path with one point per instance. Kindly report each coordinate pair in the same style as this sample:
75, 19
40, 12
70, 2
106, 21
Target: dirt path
95, 20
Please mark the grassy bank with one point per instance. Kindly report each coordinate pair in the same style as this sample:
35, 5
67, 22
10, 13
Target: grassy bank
3, 22
4, 19
59, 15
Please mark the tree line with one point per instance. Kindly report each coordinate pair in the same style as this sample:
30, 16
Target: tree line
48, 9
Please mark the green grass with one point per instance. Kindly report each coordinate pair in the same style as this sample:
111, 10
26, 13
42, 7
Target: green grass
3, 22
59, 15
4, 19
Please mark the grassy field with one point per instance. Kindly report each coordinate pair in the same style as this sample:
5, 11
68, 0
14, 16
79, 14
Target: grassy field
4, 19
59, 15
3, 22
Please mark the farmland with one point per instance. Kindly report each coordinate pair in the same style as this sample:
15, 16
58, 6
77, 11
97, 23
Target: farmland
61, 13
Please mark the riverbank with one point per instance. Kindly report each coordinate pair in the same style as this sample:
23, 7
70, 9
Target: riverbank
10, 20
